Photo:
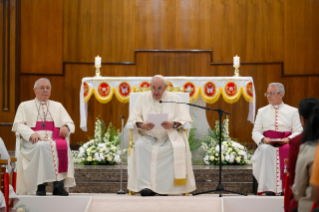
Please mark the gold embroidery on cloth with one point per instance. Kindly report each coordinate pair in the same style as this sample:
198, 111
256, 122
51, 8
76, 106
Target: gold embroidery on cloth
180, 181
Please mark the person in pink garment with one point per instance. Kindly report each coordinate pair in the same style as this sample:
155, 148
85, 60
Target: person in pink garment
45, 155
274, 126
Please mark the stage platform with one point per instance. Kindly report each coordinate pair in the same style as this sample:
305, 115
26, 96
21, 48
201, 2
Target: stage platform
123, 203
106, 179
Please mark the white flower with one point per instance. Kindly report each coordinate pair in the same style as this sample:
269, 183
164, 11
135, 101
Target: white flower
20, 210
82, 150
117, 159
89, 158
231, 158
245, 157
113, 148
212, 158
206, 159
109, 158
241, 152
238, 159
216, 154
227, 157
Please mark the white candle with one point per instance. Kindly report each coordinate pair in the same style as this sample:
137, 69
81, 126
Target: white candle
236, 60
98, 61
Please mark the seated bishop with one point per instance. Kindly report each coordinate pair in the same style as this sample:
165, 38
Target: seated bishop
160, 162
275, 125
45, 155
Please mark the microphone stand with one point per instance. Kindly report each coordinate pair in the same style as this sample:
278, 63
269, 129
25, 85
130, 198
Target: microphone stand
220, 112
122, 141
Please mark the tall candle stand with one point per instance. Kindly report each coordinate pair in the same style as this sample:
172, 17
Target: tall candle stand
97, 71
236, 72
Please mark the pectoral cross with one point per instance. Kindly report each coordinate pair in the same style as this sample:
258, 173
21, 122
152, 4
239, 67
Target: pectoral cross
43, 125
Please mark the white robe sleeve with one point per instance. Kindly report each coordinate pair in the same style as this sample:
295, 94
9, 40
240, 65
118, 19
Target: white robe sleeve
66, 119
257, 133
182, 114
137, 112
296, 125
19, 124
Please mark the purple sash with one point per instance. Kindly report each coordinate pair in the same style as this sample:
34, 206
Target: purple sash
283, 150
61, 143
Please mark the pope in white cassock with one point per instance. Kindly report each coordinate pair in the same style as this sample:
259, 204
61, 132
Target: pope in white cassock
275, 125
45, 155
160, 161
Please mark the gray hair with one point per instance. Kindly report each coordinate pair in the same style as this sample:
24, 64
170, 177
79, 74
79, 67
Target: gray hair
41, 79
160, 77
280, 87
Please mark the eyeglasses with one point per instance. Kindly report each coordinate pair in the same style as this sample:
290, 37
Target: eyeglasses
270, 94
157, 89
43, 88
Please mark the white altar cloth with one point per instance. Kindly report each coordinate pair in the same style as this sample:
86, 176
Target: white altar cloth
209, 88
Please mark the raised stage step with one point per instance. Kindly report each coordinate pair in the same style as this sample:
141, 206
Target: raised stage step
106, 179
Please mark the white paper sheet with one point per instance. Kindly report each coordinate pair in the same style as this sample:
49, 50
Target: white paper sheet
157, 119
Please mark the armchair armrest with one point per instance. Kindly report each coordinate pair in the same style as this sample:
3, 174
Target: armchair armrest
18, 139
187, 126
130, 125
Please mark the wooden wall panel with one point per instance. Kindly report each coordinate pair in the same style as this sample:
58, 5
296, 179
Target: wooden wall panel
173, 24
7, 70
99, 27
301, 34
250, 29
41, 36
173, 63
271, 37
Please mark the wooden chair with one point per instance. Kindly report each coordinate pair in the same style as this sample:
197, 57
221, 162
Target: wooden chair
18, 147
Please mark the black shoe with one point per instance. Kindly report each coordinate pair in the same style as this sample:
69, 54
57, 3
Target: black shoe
60, 191
282, 194
41, 190
147, 192
269, 193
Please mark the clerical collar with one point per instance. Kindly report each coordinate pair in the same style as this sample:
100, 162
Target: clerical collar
278, 106
40, 102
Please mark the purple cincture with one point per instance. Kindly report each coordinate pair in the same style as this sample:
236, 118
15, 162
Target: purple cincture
61, 143
283, 150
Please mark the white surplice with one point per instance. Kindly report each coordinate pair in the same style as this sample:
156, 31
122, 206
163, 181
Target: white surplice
265, 157
160, 159
38, 163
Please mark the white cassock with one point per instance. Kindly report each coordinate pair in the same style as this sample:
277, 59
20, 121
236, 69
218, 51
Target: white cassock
38, 163
160, 159
266, 169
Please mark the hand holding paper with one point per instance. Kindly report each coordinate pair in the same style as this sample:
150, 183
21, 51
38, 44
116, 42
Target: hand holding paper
157, 119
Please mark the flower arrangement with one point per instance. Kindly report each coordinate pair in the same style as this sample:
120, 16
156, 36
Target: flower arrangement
233, 153
103, 149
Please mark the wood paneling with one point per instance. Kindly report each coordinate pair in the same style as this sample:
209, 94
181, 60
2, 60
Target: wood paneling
301, 34
173, 24
7, 70
99, 27
252, 29
8, 137
272, 37
41, 36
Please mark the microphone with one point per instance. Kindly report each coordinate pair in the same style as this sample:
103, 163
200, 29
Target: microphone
194, 105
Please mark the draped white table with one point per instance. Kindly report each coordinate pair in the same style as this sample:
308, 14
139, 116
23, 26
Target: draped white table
202, 90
